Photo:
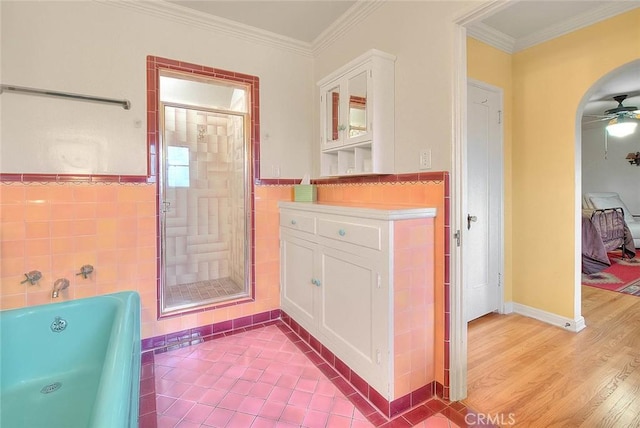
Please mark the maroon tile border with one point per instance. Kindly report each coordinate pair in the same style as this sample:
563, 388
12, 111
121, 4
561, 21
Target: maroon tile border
349, 381
364, 179
71, 178
445, 389
191, 336
147, 417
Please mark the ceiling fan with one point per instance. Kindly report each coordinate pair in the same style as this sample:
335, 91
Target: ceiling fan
623, 120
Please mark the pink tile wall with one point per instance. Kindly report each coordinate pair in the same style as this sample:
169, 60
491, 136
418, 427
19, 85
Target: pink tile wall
57, 228
413, 304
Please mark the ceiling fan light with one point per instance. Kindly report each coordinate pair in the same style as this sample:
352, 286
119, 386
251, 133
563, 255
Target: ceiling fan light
621, 128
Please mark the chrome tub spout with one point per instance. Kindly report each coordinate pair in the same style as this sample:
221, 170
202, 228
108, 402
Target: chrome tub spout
58, 286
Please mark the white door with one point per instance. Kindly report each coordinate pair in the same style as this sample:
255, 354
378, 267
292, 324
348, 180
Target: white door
482, 243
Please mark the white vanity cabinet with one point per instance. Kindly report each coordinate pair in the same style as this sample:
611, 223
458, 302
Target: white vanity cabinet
357, 117
337, 281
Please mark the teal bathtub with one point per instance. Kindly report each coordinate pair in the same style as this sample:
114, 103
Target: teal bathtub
73, 364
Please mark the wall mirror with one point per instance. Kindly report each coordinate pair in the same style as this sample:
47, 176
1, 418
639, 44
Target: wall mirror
358, 104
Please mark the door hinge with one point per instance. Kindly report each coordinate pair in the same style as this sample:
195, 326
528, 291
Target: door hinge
456, 236
499, 117
499, 279
379, 280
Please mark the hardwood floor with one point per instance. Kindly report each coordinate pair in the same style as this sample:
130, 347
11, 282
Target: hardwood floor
547, 377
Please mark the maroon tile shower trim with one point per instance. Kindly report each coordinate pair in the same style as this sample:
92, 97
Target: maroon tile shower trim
252, 83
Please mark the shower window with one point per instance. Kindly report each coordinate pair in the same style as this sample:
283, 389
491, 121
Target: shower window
177, 166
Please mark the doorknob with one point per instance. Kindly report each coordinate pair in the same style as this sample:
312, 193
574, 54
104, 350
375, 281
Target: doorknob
471, 218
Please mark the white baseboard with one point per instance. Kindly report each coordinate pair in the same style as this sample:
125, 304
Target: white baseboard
507, 308
574, 325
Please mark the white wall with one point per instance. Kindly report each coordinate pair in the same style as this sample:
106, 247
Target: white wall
100, 49
613, 174
420, 34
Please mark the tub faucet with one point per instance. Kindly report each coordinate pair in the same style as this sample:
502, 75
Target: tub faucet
32, 277
58, 286
85, 271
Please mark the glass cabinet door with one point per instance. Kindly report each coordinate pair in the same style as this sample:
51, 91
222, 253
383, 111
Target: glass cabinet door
358, 119
333, 126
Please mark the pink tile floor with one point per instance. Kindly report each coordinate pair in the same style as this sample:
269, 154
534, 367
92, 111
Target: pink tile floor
259, 378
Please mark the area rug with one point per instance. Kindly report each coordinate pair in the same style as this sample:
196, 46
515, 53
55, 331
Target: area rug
622, 276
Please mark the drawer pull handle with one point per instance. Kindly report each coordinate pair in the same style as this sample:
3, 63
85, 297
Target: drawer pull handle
318, 283
315, 282
342, 232
293, 222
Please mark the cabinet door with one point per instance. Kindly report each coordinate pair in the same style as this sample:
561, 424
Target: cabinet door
357, 105
332, 119
354, 315
299, 292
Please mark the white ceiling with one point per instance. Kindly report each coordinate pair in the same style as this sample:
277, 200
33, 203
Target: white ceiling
515, 26
300, 20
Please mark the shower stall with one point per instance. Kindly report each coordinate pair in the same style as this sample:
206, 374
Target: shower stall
203, 195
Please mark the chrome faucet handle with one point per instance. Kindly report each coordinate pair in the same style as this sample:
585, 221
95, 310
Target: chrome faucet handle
32, 277
85, 271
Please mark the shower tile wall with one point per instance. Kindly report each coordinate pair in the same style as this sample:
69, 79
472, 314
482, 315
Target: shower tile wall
204, 224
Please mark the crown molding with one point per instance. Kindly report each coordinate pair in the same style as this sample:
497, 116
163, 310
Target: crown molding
492, 37
354, 15
192, 18
508, 44
585, 19
476, 13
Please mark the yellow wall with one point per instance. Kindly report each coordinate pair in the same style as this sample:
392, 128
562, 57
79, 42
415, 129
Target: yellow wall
493, 66
543, 87
549, 82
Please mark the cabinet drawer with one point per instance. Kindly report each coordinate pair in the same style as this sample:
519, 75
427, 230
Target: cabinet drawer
298, 222
353, 233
